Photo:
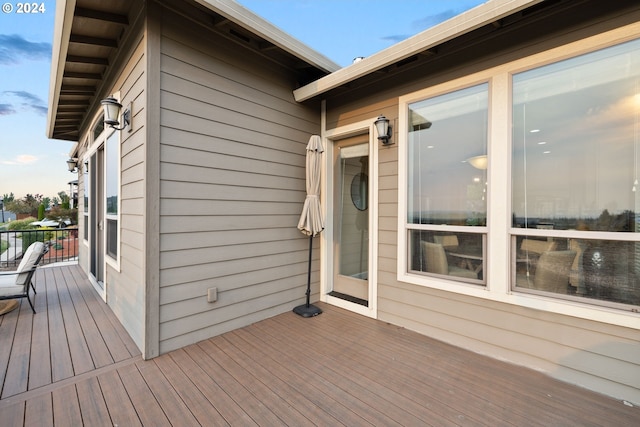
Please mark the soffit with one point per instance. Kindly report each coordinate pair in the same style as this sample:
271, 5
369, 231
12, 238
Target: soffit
92, 30
89, 35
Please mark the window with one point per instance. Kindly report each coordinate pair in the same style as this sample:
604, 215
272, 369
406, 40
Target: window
85, 181
447, 184
575, 143
112, 176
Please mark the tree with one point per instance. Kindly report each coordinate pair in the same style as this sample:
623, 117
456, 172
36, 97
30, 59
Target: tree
27, 205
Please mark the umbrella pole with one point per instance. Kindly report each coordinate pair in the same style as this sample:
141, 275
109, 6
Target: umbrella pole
308, 310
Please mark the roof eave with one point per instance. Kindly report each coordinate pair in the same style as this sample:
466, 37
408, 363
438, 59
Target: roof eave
61, 32
466, 22
264, 29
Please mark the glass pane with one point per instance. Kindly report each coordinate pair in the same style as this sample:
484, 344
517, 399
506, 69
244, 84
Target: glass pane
458, 255
112, 238
97, 130
447, 159
354, 215
113, 167
576, 137
85, 179
596, 269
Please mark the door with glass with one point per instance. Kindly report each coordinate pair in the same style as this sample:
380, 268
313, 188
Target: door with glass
96, 217
351, 220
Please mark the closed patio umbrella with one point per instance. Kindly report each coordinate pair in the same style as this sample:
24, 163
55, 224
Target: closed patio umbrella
311, 222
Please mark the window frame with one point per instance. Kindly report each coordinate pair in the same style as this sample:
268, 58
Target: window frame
95, 142
499, 254
457, 229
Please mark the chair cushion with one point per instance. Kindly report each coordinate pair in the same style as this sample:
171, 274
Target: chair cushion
8, 279
8, 290
30, 257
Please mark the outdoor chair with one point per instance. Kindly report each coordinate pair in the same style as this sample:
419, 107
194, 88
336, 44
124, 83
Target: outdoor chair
552, 272
449, 241
15, 284
436, 261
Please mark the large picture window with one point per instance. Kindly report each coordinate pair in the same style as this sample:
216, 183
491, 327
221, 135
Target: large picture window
575, 143
447, 184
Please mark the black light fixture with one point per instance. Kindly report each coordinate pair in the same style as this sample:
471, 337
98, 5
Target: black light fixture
384, 130
112, 108
72, 164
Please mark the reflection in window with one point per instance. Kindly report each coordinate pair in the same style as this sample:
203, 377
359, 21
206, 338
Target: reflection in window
576, 137
575, 142
85, 180
112, 189
596, 269
447, 158
457, 255
447, 184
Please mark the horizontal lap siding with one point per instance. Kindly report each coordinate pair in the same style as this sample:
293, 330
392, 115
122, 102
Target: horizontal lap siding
125, 288
232, 186
602, 357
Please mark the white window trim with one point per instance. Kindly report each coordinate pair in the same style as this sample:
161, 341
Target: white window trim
91, 149
115, 263
499, 188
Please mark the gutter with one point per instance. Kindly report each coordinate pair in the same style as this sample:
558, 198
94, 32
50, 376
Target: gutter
61, 34
457, 26
260, 27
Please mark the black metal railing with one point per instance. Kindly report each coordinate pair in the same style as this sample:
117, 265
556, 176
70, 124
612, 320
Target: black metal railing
62, 242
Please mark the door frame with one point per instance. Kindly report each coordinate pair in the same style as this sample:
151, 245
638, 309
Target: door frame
97, 202
327, 197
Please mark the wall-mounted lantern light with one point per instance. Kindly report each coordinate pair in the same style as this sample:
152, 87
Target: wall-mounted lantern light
72, 164
112, 109
384, 130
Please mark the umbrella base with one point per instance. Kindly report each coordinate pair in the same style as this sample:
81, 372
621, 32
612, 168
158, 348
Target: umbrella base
307, 310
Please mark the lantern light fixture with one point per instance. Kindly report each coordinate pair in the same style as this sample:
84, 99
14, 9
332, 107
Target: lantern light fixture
112, 109
384, 129
72, 164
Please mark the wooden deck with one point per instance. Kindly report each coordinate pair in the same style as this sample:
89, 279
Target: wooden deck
72, 364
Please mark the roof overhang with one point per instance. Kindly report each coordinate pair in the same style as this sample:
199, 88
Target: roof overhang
90, 34
269, 32
480, 16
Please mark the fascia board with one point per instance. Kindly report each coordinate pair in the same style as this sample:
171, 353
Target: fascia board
468, 21
61, 34
252, 22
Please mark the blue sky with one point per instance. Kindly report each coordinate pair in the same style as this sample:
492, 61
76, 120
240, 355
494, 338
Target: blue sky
340, 29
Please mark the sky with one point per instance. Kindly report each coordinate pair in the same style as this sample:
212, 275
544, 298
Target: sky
340, 29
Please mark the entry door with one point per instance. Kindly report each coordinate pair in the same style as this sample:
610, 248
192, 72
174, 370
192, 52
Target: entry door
96, 214
351, 220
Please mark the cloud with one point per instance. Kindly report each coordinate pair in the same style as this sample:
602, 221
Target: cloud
396, 38
15, 49
6, 109
21, 159
435, 19
27, 100
422, 24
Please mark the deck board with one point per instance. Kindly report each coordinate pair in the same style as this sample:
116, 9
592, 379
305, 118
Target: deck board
61, 366
338, 368
78, 346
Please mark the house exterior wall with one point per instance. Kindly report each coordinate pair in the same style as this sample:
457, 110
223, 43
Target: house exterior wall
597, 355
124, 278
232, 184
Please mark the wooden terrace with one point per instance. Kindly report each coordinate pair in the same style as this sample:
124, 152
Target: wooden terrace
73, 364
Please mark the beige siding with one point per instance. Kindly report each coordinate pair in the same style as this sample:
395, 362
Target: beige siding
232, 185
125, 288
602, 357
